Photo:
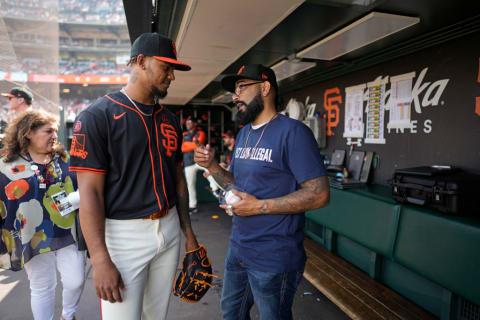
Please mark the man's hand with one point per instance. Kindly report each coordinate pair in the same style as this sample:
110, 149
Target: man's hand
108, 281
204, 156
191, 242
248, 206
313, 194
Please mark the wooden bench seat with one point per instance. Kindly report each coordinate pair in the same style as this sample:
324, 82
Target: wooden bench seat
353, 291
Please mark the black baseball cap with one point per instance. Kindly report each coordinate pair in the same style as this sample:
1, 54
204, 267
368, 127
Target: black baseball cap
229, 134
158, 47
18, 92
190, 118
253, 72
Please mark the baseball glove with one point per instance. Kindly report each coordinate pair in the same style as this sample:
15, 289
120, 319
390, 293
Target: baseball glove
195, 277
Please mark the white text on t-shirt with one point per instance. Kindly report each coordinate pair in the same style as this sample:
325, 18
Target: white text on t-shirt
259, 154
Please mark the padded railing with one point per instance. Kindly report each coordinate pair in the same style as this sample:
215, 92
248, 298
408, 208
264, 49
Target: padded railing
443, 249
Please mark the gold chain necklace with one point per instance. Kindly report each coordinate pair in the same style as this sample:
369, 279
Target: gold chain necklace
249, 154
134, 104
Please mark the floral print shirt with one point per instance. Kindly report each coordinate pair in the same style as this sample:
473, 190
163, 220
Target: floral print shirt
30, 222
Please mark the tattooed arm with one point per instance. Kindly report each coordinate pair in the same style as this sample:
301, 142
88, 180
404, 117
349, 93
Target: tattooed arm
314, 194
182, 208
205, 156
221, 176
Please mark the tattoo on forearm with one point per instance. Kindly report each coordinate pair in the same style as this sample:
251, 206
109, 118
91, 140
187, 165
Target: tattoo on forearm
264, 207
313, 194
223, 177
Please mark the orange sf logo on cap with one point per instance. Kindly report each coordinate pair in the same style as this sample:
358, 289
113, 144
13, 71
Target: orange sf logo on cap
240, 70
264, 76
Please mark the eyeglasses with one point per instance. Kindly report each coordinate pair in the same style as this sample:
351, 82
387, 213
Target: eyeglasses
241, 86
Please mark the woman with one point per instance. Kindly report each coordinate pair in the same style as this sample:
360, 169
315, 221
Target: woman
37, 223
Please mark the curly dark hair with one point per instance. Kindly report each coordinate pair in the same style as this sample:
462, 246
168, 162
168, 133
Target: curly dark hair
16, 142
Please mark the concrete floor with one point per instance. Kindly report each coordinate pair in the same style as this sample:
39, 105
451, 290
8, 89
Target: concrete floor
309, 303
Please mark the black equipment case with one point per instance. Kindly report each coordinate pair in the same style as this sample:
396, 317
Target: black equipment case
441, 188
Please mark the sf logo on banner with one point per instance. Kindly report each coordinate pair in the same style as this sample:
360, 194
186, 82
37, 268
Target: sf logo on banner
170, 140
331, 99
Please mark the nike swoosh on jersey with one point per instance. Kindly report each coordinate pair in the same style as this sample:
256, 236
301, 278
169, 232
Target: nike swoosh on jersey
119, 116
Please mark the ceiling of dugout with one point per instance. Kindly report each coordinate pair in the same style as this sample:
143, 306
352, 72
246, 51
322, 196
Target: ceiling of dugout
217, 37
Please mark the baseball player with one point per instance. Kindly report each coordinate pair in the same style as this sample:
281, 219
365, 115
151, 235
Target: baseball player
277, 165
192, 137
126, 150
229, 143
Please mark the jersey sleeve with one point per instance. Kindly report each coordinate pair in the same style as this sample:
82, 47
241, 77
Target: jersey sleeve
303, 156
88, 152
188, 146
202, 137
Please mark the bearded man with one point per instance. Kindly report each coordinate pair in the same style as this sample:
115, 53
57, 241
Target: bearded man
278, 168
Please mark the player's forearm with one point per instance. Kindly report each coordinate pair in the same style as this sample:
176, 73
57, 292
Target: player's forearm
92, 221
221, 176
314, 194
182, 205
182, 209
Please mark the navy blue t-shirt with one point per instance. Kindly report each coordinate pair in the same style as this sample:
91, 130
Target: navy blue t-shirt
286, 156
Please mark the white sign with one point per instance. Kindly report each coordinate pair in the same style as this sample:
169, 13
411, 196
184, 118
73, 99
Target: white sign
354, 112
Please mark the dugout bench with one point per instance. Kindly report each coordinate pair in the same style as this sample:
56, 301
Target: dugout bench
377, 259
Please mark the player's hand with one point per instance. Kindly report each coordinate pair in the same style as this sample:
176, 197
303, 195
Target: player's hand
108, 282
204, 156
247, 206
206, 174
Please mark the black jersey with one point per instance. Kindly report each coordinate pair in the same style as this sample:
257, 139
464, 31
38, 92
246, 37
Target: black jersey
138, 154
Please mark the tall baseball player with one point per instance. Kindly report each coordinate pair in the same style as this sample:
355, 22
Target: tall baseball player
126, 151
276, 162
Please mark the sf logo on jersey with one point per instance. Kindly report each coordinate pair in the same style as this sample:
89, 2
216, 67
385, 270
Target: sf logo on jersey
170, 138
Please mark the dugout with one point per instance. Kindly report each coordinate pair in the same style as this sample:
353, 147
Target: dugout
422, 56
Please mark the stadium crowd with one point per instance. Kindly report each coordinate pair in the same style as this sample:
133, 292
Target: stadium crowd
66, 67
66, 11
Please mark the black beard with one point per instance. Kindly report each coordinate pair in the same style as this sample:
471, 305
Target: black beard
251, 112
157, 94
